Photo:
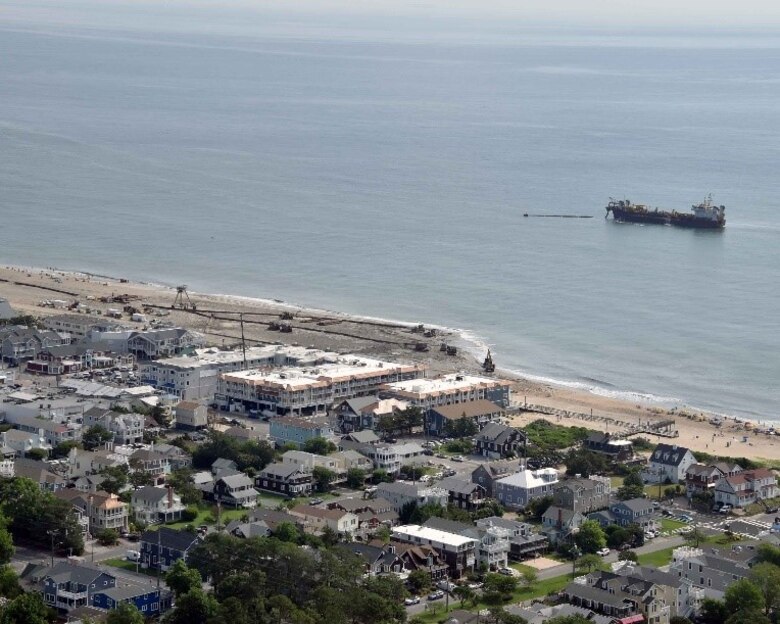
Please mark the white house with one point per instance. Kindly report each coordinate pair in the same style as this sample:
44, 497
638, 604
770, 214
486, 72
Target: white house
749, 486
152, 505
668, 463
400, 494
516, 490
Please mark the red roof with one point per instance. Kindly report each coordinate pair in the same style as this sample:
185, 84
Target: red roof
632, 619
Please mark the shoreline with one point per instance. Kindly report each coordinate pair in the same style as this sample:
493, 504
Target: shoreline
217, 317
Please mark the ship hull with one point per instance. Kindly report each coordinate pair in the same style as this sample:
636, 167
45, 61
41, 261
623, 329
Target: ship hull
665, 218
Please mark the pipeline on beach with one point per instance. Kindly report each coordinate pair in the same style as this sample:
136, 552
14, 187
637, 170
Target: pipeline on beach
558, 216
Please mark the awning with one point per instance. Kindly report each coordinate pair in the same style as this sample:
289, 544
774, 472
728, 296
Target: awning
632, 619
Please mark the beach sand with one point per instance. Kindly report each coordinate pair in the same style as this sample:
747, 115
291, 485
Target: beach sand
217, 318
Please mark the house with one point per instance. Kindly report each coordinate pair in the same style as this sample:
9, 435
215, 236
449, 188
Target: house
559, 523
236, 490
66, 585
583, 495
363, 413
524, 541
273, 518
177, 457
66, 359
82, 463
19, 344
488, 473
53, 432
151, 462
150, 600
245, 530
222, 465
463, 494
191, 416
127, 428
634, 511
403, 494
297, 431
392, 457
376, 560
371, 513
22, 442
89, 483
164, 342
702, 478
285, 478
40, 473
711, 571
152, 505
315, 519
480, 412
540, 613
161, 548
493, 545
310, 461
616, 449
497, 441
78, 326
515, 491
359, 437
746, 487
104, 510
422, 557
671, 588
668, 464
459, 552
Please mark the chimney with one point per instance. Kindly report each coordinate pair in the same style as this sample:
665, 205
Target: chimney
170, 497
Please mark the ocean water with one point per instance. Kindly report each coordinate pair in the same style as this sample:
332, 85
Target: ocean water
383, 168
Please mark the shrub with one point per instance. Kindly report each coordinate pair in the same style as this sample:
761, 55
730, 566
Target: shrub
189, 514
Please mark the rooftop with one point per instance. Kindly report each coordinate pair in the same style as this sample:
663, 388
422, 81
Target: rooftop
470, 409
446, 384
427, 534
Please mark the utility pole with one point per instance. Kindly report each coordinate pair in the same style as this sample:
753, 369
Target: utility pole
243, 341
159, 558
52, 533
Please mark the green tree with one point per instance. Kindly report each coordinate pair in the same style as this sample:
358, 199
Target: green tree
569, 619
628, 555
633, 486
766, 576
139, 478
713, 611
499, 615
588, 563
536, 507
319, 446
380, 475
694, 536
529, 576
617, 536
678, 619
96, 436
125, 613
419, 581
194, 607
768, 553
583, 462
9, 582
322, 478
743, 595
6, 542
182, 579
383, 534
37, 454
115, 480
63, 449
500, 585
748, 616
287, 532
463, 427
25, 609
590, 537
108, 537
464, 593
356, 478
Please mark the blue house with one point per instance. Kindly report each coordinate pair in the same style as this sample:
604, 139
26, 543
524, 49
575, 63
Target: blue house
68, 586
298, 431
162, 548
147, 598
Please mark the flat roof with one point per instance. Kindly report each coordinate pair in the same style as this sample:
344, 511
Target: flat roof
435, 535
443, 385
205, 358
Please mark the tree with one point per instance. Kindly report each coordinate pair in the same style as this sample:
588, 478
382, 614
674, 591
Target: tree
768, 553
287, 532
694, 536
617, 536
583, 462
463, 593
319, 446
356, 478
529, 576
37, 454
194, 607
96, 436
419, 581
536, 507
322, 477
6, 543
748, 616
25, 609
383, 534
63, 449
115, 480
499, 615
569, 619
589, 563
108, 537
633, 486
380, 475
125, 613
499, 585
766, 576
712, 611
743, 595
678, 619
139, 478
590, 537
463, 427
628, 555
182, 579
329, 536
9, 583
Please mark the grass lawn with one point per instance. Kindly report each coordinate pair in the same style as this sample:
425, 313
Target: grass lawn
537, 590
128, 565
207, 512
616, 482
667, 524
658, 558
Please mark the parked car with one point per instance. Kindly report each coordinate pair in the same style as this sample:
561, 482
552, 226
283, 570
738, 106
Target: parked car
725, 509
133, 555
437, 595
412, 601
316, 501
506, 571
603, 552
686, 518
475, 585
457, 458
445, 586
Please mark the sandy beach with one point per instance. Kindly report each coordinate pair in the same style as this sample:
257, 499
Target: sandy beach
217, 318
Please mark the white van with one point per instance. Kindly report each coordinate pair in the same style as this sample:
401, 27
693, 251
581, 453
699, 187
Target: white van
133, 555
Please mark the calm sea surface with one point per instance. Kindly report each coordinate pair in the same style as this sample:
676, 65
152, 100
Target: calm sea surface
384, 171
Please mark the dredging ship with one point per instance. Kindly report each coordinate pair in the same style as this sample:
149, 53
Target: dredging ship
705, 215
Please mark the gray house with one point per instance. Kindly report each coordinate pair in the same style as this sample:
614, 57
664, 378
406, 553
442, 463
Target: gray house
583, 495
635, 511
